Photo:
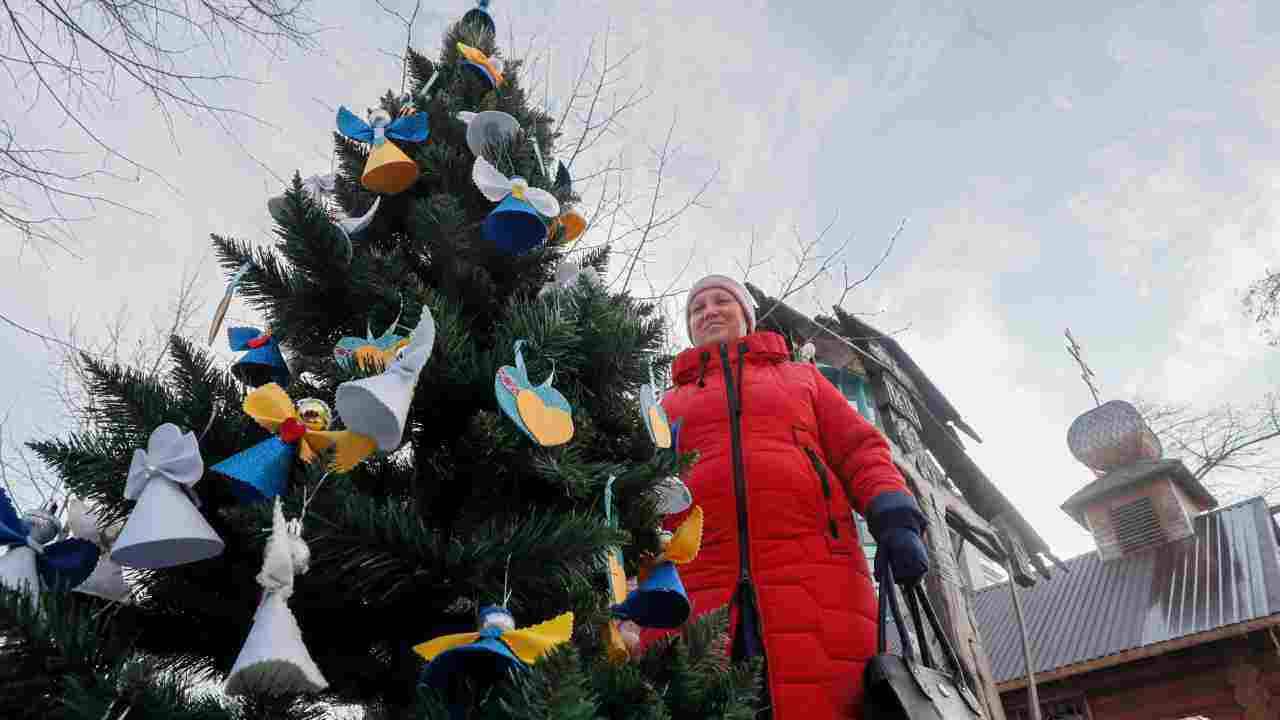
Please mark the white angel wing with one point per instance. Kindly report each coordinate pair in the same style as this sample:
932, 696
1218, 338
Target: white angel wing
171, 454
543, 201
355, 226
82, 521
277, 561
491, 182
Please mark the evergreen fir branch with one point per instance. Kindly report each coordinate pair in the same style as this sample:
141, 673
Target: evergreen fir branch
379, 551
420, 69
93, 467
42, 646
125, 401
624, 693
555, 688
146, 690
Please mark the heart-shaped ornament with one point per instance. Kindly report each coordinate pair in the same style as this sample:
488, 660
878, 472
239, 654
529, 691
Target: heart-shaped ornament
540, 412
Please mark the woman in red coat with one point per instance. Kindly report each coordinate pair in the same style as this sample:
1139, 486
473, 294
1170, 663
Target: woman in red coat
783, 458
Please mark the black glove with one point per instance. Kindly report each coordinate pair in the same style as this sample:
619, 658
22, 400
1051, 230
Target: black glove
897, 523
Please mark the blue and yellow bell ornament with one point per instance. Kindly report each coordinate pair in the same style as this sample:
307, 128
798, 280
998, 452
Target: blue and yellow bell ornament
262, 472
517, 224
479, 17
262, 361
660, 600
540, 411
36, 559
481, 65
497, 648
388, 170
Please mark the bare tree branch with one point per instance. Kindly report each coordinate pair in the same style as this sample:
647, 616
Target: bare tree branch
1230, 448
75, 57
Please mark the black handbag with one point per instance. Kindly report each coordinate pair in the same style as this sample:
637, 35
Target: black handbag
904, 687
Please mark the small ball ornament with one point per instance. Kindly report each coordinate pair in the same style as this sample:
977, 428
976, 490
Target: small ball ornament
44, 526
315, 414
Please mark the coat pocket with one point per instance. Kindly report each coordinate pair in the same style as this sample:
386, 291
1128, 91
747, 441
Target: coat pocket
839, 540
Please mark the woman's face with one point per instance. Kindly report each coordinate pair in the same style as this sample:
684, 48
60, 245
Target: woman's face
715, 316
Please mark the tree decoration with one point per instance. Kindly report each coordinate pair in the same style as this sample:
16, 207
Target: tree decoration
479, 17
481, 65
498, 647
35, 558
619, 639
370, 353
221, 312
274, 660
489, 129
540, 412
655, 417
165, 528
378, 406
388, 170
262, 361
515, 225
660, 601
107, 579
262, 472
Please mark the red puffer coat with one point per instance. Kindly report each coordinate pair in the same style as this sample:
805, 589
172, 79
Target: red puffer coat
790, 547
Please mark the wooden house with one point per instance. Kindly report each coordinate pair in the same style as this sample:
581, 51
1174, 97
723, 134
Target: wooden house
968, 515
1175, 615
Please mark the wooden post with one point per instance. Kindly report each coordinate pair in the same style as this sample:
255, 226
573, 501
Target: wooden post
1033, 696
901, 422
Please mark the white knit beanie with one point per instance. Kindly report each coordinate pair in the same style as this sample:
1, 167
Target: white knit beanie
729, 285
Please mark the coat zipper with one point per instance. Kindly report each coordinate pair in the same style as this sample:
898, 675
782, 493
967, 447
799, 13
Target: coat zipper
749, 612
821, 469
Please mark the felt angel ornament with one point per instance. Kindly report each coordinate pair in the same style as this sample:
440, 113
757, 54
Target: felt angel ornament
35, 558
388, 170
165, 528
378, 407
107, 579
369, 352
495, 649
659, 599
262, 471
274, 660
516, 225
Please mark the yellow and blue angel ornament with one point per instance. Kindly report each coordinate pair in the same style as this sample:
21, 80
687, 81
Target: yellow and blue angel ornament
541, 412
388, 170
262, 361
262, 472
660, 601
477, 62
498, 647
371, 353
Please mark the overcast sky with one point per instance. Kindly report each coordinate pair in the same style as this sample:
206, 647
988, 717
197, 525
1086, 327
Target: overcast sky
1108, 169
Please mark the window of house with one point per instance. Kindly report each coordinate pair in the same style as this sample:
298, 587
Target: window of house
868, 544
854, 387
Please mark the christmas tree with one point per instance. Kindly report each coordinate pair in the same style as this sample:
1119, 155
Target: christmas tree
477, 463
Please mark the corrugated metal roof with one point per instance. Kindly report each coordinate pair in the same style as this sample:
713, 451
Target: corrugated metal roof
1226, 573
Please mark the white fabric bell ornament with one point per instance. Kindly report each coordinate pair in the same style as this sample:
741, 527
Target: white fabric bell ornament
107, 580
274, 660
165, 528
378, 406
